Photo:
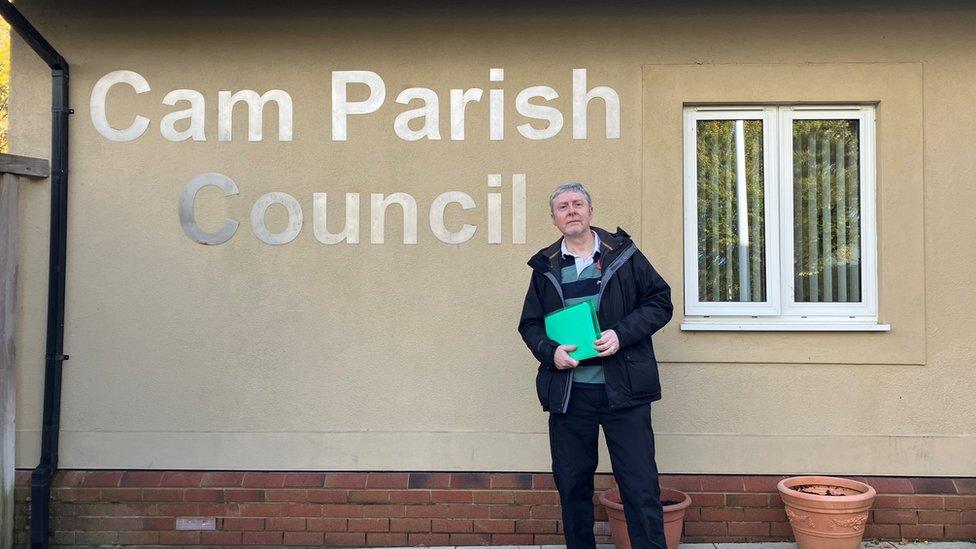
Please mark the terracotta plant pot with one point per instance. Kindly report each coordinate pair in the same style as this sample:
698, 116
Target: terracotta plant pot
674, 516
822, 521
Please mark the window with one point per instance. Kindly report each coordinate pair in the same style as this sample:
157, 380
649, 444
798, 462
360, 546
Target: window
779, 218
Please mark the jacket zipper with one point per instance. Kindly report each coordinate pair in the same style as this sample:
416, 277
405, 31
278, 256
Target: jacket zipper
612, 268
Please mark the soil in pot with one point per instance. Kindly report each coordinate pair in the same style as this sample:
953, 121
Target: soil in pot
826, 490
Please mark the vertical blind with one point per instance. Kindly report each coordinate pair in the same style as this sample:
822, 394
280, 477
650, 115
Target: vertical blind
826, 211
731, 237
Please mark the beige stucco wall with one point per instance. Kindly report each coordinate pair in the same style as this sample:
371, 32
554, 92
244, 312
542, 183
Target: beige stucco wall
397, 357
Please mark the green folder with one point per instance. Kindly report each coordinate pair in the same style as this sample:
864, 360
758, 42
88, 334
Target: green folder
575, 325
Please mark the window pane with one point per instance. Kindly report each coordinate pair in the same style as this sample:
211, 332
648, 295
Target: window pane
731, 239
826, 211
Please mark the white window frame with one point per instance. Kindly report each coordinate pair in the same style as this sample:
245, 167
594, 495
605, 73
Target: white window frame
780, 311
693, 306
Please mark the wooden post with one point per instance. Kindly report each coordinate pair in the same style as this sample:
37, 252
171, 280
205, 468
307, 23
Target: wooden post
8, 276
11, 169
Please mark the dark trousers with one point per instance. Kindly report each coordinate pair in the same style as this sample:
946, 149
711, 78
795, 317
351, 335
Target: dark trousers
630, 439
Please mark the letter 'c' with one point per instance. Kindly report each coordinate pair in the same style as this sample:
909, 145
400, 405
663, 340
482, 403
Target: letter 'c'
188, 217
437, 226
97, 104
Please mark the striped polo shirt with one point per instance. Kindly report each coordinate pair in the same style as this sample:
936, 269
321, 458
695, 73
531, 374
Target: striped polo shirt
581, 282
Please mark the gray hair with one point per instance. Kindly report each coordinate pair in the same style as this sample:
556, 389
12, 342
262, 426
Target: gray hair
569, 187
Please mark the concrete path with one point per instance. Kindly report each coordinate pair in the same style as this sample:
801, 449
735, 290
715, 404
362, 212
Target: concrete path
865, 545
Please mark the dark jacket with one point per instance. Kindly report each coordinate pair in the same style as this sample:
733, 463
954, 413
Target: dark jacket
635, 302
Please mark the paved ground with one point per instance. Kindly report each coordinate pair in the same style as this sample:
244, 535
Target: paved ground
865, 545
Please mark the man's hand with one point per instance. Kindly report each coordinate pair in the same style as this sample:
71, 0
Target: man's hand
562, 359
608, 343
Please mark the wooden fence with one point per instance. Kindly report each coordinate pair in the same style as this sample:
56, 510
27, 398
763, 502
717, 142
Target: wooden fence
13, 170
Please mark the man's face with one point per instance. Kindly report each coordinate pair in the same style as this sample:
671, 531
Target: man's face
571, 213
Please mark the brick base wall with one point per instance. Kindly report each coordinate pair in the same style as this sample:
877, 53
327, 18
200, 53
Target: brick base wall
399, 509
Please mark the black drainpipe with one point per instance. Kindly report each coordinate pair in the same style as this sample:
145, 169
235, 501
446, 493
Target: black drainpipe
40, 513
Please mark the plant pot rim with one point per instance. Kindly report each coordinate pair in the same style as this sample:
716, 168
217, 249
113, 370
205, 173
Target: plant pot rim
786, 485
607, 502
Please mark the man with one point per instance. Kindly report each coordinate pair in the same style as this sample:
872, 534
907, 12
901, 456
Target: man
615, 388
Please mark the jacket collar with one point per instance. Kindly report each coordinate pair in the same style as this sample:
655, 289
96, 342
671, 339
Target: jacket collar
548, 258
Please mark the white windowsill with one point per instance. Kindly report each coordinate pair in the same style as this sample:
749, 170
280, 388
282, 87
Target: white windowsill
759, 325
